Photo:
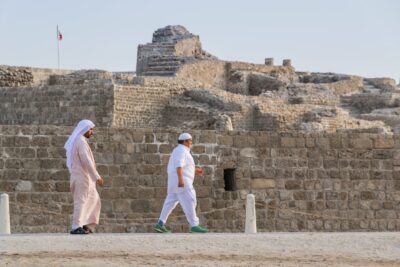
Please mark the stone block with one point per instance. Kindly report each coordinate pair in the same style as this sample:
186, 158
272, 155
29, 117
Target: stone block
149, 137
199, 149
33, 219
166, 148
13, 164
40, 141
42, 152
386, 214
160, 192
113, 170
361, 143
106, 206
293, 185
322, 143
285, 163
262, 183
57, 175
52, 164
242, 141
111, 193
27, 153
57, 152
118, 181
24, 186
63, 187
8, 141
138, 137
257, 173
122, 205
208, 138
205, 204
309, 142
330, 163
151, 148
224, 140
382, 154
30, 164
299, 195
203, 191
288, 142
269, 61
203, 160
24, 197
130, 193
102, 169
379, 175
359, 174
152, 159
382, 143
22, 141
146, 193
140, 205
43, 187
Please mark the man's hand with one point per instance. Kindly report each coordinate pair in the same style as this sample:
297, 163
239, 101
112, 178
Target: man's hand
199, 171
181, 183
100, 182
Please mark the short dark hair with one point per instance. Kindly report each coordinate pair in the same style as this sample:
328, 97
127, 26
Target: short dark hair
181, 142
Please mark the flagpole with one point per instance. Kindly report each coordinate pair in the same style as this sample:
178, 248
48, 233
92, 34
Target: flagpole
58, 49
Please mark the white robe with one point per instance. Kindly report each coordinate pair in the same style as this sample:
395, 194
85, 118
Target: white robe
81, 165
84, 175
185, 196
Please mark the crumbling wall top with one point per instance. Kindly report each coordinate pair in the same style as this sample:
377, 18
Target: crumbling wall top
172, 34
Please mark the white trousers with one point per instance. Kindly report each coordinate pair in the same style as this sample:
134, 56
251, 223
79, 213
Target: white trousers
187, 198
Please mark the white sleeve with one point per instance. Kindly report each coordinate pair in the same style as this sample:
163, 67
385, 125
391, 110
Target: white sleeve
179, 159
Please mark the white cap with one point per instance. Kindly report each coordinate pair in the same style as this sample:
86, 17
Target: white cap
184, 136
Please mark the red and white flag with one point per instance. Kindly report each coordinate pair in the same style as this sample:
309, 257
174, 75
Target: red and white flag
59, 35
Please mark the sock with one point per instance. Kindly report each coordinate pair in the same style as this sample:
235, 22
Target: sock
75, 226
160, 222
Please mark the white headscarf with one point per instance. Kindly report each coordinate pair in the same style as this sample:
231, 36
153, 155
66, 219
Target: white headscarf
82, 127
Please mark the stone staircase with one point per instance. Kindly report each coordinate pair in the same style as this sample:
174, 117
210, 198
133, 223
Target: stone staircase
346, 103
369, 88
353, 102
166, 65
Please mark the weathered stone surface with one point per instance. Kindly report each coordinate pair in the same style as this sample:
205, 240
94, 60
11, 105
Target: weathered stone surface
262, 183
24, 186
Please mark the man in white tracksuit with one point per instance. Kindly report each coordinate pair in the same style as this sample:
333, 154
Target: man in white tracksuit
181, 172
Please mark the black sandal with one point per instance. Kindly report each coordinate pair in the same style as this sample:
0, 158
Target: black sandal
79, 231
87, 229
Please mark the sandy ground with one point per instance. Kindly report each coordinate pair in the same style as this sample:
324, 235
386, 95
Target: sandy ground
263, 249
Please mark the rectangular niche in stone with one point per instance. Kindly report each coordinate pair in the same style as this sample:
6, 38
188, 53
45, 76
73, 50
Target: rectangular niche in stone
229, 179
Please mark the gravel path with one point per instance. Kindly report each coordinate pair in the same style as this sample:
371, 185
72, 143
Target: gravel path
225, 249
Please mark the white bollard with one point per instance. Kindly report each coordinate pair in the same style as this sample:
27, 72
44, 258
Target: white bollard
251, 222
4, 215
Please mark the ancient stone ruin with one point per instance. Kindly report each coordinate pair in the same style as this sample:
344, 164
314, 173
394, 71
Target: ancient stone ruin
319, 150
178, 84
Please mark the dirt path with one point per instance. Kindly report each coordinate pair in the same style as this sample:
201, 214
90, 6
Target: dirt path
267, 249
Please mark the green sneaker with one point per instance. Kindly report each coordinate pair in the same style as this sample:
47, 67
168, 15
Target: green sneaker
161, 228
198, 229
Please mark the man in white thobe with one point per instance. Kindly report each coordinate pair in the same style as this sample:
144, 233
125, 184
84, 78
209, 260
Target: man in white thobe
84, 177
181, 172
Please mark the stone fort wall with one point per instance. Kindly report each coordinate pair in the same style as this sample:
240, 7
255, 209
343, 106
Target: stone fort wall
302, 182
11, 76
63, 104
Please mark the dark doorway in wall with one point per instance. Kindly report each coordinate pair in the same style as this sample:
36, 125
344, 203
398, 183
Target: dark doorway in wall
229, 179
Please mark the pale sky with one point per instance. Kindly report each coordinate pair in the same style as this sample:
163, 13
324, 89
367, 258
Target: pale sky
360, 37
